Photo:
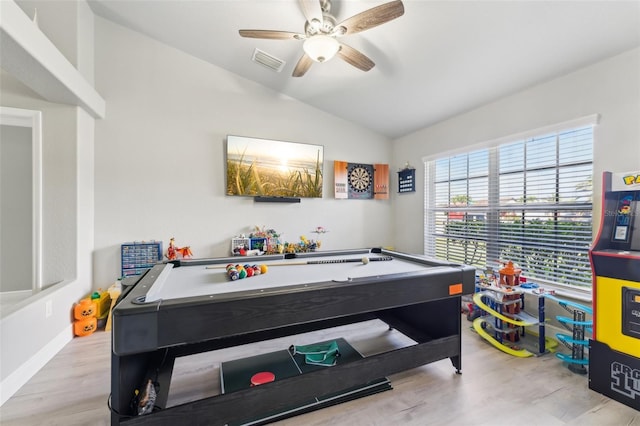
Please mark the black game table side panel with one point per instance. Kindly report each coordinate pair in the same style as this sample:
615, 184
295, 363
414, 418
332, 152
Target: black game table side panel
135, 324
184, 323
127, 374
421, 322
425, 322
246, 404
129, 371
167, 323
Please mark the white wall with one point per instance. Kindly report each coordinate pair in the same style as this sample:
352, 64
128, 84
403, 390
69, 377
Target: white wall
159, 156
610, 88
16, 242
67, 156
63, 36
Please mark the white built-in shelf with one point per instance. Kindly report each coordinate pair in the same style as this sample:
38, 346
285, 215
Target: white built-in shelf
27, 54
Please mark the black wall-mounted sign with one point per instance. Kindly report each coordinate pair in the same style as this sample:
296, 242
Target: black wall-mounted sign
407, 180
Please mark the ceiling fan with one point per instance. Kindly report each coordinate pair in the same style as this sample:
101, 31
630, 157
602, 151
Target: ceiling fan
321, 33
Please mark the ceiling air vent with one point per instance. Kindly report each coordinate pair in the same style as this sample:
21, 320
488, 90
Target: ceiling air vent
271, 62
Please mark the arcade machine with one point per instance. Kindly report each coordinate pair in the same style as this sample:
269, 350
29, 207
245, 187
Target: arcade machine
614, 350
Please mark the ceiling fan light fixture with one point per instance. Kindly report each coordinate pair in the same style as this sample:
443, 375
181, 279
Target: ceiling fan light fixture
321, 47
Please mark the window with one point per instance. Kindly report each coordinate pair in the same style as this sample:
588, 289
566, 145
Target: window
528, 200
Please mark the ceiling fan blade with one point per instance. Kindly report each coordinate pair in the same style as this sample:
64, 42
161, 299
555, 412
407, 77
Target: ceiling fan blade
355, 58
372, 18
272, 35
302, 66
311, 9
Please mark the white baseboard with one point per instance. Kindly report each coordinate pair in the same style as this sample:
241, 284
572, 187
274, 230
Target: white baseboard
26, 371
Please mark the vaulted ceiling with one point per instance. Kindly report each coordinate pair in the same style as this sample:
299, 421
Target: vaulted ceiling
437, 60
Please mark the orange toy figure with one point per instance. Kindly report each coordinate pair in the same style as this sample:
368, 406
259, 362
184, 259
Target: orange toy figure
184, 251
86, 308
171, 250
84, 314
85, 327
509, 275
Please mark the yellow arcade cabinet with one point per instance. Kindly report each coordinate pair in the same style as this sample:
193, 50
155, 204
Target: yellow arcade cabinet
614, 350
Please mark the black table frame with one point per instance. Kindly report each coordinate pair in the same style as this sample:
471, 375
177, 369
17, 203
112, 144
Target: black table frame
147, 338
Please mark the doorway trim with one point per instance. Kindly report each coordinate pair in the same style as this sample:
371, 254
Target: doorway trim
33, 119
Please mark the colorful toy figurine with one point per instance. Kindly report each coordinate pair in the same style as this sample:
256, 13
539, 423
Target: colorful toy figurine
173, 251
185, 251
509, 274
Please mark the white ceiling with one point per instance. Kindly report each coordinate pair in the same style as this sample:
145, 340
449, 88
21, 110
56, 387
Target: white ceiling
440, 59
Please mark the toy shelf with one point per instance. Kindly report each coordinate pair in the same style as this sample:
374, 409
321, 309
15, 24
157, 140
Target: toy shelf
136, 257
505, 306
520, 315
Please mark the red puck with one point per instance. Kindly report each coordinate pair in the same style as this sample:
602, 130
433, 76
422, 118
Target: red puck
262, 378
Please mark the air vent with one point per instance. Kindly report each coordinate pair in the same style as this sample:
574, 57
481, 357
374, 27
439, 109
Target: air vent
267, 60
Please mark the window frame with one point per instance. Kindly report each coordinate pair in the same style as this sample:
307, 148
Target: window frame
493, 207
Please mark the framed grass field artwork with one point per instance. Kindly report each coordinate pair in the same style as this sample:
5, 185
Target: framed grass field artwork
270, 168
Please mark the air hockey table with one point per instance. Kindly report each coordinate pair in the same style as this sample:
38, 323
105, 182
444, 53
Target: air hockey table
191, 306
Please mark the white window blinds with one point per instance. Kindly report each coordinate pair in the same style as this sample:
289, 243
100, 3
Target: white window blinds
528, 201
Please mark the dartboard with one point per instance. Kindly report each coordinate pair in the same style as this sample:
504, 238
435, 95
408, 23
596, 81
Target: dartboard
360, 179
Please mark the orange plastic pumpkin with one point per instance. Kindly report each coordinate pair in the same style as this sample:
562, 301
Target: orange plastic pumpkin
85, 327
85, 309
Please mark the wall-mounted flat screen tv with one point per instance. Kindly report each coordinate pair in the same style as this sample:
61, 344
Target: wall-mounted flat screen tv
269, 168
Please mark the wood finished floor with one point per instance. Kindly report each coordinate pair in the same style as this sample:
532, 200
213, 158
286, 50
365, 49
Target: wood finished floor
494, 389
